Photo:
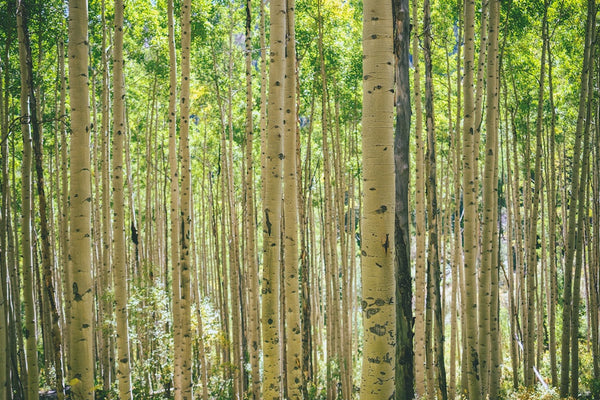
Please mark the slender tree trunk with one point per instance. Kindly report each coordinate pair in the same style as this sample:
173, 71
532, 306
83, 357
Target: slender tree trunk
457, 264
185, 255
119, 249
551, 170
233, 240
420, 297
582, 217
30, 332
404, 319
305, 262
566, 367
470, 188
379, 310
105, 306
292, 298
532, 234
272, 205
433, 261
5, 365
81, 353
174, 226
489, 262
595, 259
5, 384
250, 221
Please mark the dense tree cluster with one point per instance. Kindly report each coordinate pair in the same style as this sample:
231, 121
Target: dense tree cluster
311, 199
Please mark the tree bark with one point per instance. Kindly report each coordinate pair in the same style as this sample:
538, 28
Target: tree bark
250, 221
420, 262
185, 256
433, 260
566, 367
119, 249
470, 172
404, 318
292, 298
489, 262
30, 332
80, 285
378, 299
272, 205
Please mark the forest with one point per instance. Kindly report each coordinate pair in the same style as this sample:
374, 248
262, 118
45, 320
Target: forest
311, 199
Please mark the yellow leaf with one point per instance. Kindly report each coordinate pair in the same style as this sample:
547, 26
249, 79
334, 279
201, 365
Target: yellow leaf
74, 382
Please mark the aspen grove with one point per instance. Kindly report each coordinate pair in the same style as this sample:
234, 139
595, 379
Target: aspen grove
299, 199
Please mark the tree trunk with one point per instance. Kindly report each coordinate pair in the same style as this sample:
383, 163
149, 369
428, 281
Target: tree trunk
566, 367
185, 221
81, 289
582, 218
489, 262
174, 226
30, 332
272, 205
292, 299
379, 310
105, 311
551, 170
119, 253
404, 319
433, 260
470, 188
420, 296
250, 222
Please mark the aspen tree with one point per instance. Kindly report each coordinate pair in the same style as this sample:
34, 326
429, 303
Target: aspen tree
9, 250
552, 217
595, 257
433, 261
306, 256
231, 217
105, 306
338, 211
292, 298
457, 265
185, 256
489, 264
30, 333
512, 308
80, 295
532, 234
378, 299
63, 212
404, 351
470, 172
5, 382
420, 262
582, 215
571, 223
250, 220
174, 197
272, 189
119, 249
